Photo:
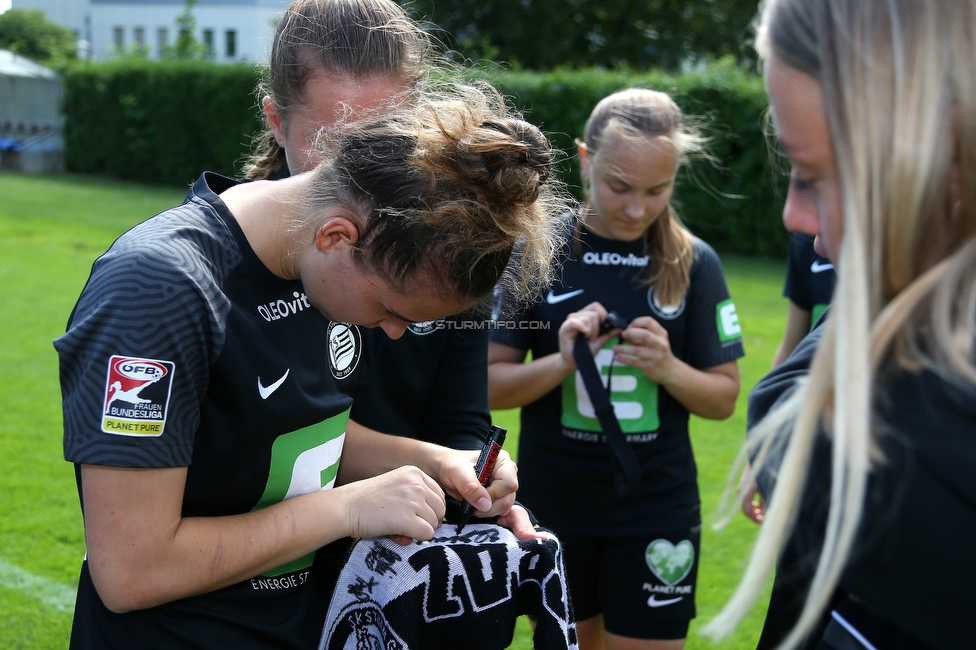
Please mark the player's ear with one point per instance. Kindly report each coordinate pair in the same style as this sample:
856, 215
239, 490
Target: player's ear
335, 234
584, 159
273, 117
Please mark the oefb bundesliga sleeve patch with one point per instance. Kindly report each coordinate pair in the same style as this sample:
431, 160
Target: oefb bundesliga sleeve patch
456, 591
136, 396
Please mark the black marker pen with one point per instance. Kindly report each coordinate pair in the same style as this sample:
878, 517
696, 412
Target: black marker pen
486, 463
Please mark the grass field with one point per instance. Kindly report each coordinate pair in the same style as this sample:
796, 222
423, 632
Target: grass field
52, 228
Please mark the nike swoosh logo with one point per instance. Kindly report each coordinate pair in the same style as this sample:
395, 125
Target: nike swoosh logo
817, 267
553, 299
265, 391
654, 602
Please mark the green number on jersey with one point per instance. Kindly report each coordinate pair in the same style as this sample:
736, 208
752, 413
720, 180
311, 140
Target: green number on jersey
302, 462
634, 398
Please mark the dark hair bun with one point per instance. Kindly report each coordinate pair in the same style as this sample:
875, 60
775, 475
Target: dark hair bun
445, 190
514, 156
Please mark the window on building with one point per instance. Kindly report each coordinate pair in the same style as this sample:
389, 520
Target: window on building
208, 41
118, 37
162, 40
230, 44
139, 36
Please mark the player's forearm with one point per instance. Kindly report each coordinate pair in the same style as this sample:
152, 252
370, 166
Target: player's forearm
797, 327
375, 453
782, 352
369, 453
704, 393
146, 568
511, 385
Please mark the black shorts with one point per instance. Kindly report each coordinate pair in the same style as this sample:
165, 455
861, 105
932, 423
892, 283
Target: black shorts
644, 586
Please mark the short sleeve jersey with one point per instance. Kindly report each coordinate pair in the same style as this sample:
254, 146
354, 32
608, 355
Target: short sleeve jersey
561, 448
810, 277
184, 350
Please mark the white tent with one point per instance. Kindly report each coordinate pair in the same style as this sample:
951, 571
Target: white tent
30, 119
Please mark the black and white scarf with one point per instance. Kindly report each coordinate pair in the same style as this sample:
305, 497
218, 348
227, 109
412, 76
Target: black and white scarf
458, 591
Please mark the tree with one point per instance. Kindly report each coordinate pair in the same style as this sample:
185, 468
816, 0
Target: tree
187, 46
28, 32
546, 34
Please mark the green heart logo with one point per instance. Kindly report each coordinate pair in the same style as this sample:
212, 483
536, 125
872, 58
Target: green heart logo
668, 562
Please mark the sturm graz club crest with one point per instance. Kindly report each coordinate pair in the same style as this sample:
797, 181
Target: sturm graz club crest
665, 312
345, 348
425, 327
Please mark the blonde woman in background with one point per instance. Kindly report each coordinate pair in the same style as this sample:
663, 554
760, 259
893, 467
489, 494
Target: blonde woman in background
631, 559
874, 102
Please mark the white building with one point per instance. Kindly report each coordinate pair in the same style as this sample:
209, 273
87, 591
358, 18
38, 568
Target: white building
30, 125
232, 30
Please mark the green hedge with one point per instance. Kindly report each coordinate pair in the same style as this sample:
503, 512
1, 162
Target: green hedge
158, 122
165, 122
